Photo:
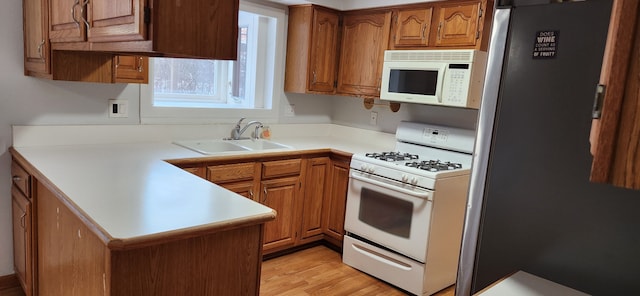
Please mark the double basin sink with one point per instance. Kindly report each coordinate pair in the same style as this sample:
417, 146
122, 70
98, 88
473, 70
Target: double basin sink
222, 146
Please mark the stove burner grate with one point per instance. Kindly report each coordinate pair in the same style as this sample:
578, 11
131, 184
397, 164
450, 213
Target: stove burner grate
434, 165
392, 156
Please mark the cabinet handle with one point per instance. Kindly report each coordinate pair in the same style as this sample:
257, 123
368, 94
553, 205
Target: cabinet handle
84, 4
439, 29
117, 61
315, 77
40, 49
73, 12
424, 30
22, 221
16, 179
140, 61
265, 195
251, 195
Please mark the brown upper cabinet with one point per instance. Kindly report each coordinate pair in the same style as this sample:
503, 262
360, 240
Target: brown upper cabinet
458, 24
314, 40
97, 20
615, 130
412, 27
365, 34
131, 69
196, 28
36, 38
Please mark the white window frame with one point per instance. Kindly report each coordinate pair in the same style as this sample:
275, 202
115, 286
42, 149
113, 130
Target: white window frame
167, 115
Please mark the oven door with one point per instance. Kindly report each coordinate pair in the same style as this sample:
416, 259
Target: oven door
389, 213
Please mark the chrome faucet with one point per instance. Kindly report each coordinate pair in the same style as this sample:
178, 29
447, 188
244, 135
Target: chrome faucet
236, 132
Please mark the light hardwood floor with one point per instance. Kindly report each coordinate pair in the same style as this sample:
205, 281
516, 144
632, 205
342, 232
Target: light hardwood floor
314, 271
320, 271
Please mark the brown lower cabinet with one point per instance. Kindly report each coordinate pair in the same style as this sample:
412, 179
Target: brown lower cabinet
23, 230
308, 192
72, 258
58, 251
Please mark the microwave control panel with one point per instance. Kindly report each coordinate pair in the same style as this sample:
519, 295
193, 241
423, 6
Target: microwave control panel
456, 84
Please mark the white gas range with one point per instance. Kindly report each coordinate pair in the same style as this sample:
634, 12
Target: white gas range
405, 209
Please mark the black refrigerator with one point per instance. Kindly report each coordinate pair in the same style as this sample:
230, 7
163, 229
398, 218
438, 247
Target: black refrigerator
531, 206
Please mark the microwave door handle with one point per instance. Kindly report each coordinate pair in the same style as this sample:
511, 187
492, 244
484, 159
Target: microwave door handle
423, 195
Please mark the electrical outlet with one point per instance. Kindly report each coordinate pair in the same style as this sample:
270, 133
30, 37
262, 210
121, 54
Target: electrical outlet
118, 108
289, 110
373, 120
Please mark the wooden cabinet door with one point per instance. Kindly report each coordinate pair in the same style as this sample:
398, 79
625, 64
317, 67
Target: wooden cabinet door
324, 51
246, 189
315, 187
66, 21
312, 49
412, 27
457, 24
36, 38
22, 246
281, 195
116, 20
336, 201
364, 39
616, 132
131, 69
71, 258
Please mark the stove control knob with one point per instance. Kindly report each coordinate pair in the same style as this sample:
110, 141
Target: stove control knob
405, 178
414, 180
367, 168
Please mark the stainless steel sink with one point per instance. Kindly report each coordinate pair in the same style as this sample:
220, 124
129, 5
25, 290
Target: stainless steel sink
226, 146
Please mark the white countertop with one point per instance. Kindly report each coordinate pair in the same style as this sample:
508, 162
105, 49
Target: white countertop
526, 284
130, 191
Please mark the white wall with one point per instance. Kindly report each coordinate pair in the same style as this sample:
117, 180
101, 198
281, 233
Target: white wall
31, 101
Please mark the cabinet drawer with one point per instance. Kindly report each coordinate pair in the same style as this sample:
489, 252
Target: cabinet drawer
199, 171
21, 179
279, 168
231, 172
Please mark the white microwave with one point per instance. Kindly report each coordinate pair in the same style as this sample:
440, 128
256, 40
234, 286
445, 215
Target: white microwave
450, 77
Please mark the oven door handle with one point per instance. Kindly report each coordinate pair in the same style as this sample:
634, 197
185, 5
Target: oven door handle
421, 194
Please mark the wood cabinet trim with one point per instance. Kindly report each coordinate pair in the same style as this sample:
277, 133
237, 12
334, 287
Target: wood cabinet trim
624, 21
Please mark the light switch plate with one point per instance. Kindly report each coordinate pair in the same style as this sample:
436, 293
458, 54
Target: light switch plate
289, 110
373, 120
118, 108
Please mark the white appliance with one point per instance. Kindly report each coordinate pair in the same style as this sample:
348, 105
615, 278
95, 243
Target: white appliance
405, 209
451, 77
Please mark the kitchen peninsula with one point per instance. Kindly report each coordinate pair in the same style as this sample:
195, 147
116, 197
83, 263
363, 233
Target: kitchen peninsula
118, 219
